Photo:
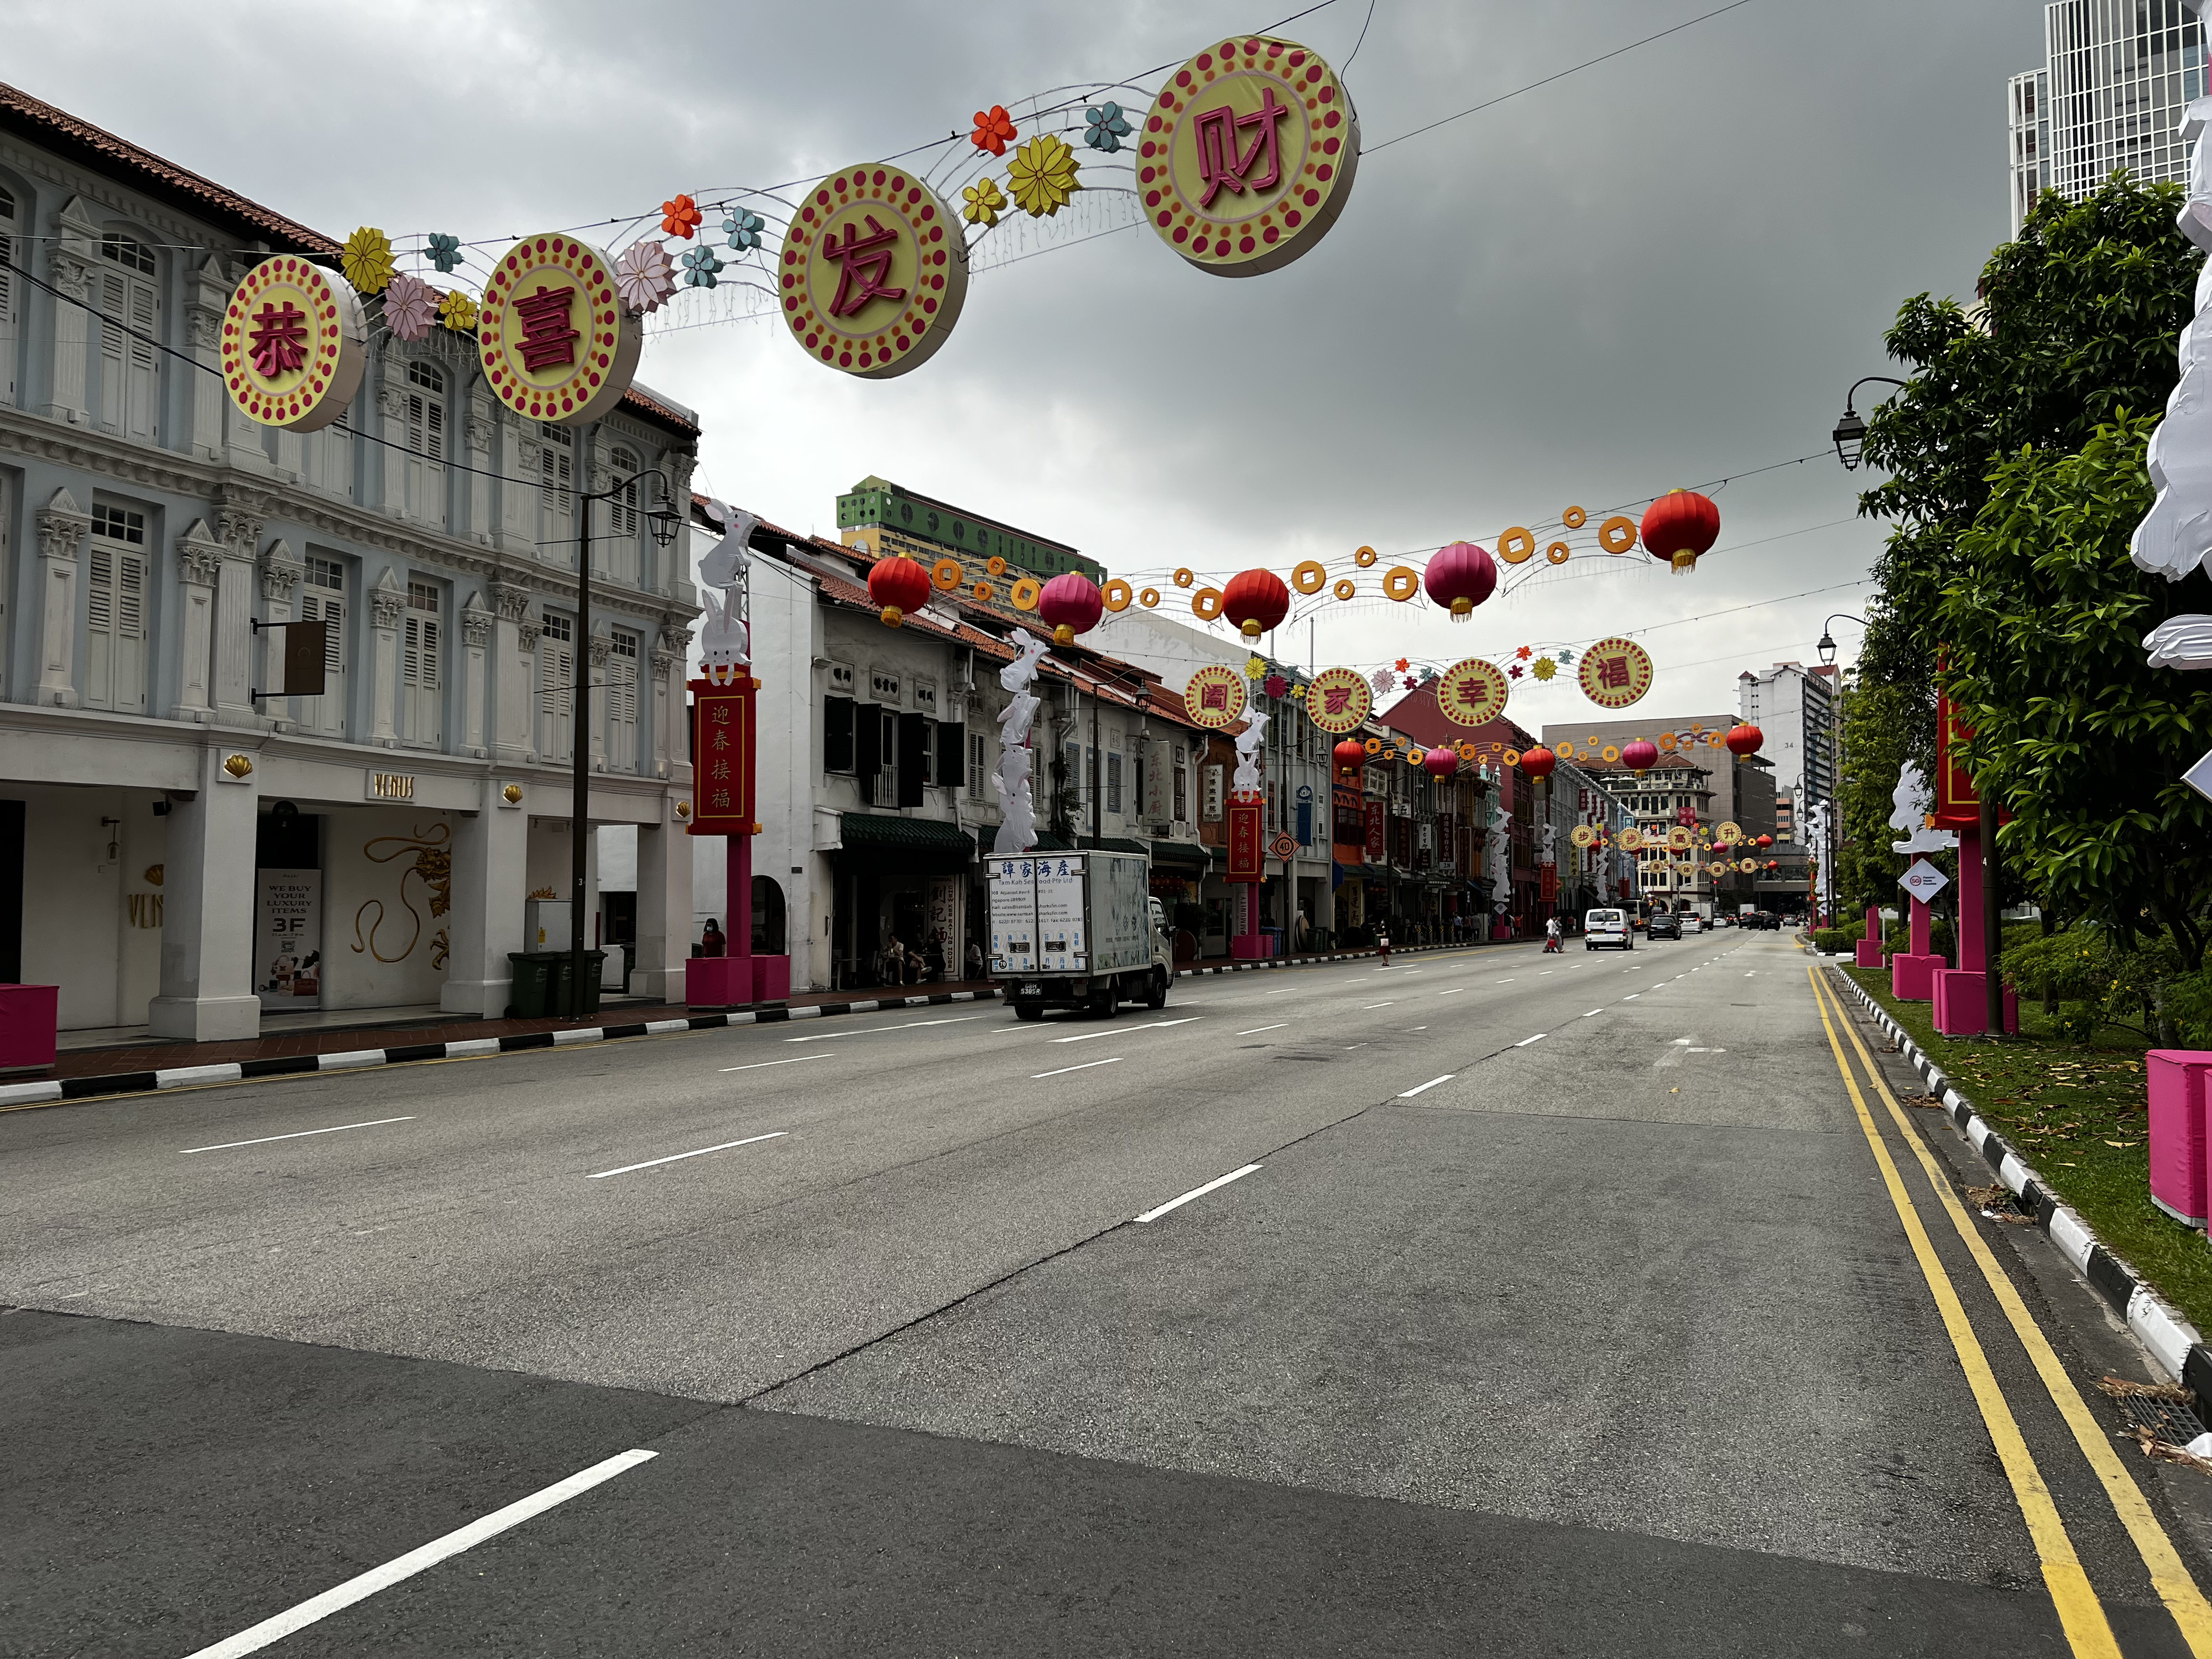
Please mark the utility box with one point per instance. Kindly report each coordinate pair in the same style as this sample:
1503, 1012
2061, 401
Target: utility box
545, 924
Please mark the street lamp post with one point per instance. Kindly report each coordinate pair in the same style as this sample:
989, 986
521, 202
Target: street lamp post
1828, 660
664, 520
1849, 436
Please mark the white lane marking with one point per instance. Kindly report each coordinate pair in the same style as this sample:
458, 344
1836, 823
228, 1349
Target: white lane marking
264, 1140
1632, 996
1674, 1054
1065, 1070
1501, 981
1541, 972
871, 1030
1372, 1006
1753, 974
678, 1157
1123, 1031
1424, 1087
795, 1059
1279, 991
406, 1566
1198, 1192
1706, 1051
1592, 1013
1256, 1030
1417, 1028
1525, 1041
1454, 991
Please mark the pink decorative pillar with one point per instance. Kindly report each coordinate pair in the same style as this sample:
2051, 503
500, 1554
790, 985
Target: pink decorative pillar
1960, 1004
1913, 972
1869, 952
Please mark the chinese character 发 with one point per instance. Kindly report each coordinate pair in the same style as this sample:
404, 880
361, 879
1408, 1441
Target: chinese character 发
1224, 164
866, 262
279, 339
1214, 694
720, 769
1612, 674
721, 741
722, 800
1335, 699
548, 341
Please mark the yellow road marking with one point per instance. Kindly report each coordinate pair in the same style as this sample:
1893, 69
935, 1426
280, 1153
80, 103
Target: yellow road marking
2076, 1601
2169, 1576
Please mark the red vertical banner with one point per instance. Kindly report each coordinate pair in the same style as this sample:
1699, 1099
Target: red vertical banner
1957, 805
1378, 846
1246, 831
723, 719
1548, 885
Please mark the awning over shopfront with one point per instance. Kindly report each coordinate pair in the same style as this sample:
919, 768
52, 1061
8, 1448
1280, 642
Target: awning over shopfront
917, 841
1182, 855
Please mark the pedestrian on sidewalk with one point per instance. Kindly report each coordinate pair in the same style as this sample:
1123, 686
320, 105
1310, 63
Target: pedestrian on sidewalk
711, 942
1382, 944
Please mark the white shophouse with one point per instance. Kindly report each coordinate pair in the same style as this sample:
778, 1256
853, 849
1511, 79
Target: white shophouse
146, 792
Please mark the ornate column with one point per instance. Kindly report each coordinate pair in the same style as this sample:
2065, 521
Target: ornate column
238, 527
476, 642
667, 667
592, 709
671, 663
387, 605
482, 432
62, 526
280, 576
523, 454
200, 571
207, 292
673, 569
70, 265
490, 882
207, 923
511, 664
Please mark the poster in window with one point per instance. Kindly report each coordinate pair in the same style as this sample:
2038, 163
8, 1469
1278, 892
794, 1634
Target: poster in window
288, 938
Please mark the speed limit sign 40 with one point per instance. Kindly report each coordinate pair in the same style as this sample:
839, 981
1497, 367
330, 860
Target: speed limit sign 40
1285, 845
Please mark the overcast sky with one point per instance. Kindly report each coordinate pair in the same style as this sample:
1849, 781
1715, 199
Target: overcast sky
1662, 271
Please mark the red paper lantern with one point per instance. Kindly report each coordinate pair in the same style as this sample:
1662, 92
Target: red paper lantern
1350, 756
1255, 600
1639, 756
1461, 577
1441, 762
1680, 525
1765, 841
899, 585
1072, 604
1538, 763
1744, 739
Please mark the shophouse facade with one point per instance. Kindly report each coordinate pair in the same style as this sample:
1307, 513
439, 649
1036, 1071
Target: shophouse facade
153, 807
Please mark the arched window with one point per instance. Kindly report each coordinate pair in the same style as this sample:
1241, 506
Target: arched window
624, 462
768, 917
7, 257
131, 322
426, 410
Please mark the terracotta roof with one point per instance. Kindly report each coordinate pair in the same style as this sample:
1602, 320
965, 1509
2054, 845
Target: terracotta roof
182, 188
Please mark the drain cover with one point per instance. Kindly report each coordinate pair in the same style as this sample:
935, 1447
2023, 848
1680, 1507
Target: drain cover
2162, 1418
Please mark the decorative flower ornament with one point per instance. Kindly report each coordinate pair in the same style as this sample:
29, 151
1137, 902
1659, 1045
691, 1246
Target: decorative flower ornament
1411, 682
1402, 664
700, 265
1254, 668
744, 229
1523, 652
645, 276
995, 129
680, 217
1544, 668
366, 260
1104, 128
1042, 174
458, 311
1513, 670
1566, 658
410, 305
445, 251
1275, 685
985, 202
1382, 679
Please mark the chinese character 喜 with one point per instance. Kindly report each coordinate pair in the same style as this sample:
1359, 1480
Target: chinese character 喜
1224, 164
548, 341
279, 339
865, 267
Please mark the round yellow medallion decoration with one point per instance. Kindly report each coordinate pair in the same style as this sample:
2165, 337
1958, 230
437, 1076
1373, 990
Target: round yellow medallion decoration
294, 345
1247, 155
555, 343
873, 272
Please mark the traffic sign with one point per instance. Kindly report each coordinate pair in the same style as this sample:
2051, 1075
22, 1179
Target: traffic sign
1285, 845
1924, 881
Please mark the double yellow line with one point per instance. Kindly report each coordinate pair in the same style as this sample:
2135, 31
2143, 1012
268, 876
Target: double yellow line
2079, 1611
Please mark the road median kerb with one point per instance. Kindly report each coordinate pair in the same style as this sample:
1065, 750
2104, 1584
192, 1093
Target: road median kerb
2171, 1340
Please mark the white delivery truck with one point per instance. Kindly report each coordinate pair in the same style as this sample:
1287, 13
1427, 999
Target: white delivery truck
1073, 930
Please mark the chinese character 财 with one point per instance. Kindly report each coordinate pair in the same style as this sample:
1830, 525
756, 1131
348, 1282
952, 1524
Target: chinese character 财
279, 339
547, 341
1224, 164
864, 267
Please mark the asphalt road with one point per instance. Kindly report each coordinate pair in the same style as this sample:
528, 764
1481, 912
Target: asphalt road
1556, 1305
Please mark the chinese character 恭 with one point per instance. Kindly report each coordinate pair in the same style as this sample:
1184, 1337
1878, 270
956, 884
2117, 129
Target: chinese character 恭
1214, 694
548, 341
1224, 164
866, 264
279, 339
1613, 673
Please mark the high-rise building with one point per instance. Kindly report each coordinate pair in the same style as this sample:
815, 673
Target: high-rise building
2117, 74
1795, 707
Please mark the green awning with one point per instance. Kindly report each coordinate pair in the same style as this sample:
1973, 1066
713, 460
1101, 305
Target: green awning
872, 831
1188, 853
987, 842
1111, 844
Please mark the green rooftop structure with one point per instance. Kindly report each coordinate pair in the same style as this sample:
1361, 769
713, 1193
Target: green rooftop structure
881, 515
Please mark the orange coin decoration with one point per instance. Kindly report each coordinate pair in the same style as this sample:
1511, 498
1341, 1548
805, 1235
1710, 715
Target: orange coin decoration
1471, 692
874, 272
557, 344
294, 345
1339, 699
1214, 698
1247, 155
1615, 672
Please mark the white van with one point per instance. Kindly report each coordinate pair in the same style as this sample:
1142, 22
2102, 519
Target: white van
1606, 928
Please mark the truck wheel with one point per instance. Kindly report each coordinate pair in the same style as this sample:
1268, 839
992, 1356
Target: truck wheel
1157, 996
1028, 1011
1106, 1002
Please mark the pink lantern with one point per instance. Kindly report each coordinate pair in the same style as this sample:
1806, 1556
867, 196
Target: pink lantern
1071, 602
1461, 577
1639, 756
1441, 762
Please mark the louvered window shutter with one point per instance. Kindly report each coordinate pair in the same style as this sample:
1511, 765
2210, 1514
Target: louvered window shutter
114, 300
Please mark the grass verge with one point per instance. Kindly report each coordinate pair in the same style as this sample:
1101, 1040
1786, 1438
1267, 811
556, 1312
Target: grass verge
2080, 1117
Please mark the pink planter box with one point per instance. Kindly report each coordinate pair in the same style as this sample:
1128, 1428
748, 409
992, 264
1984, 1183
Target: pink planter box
1251, 947
771, 978
2179, 1178
1912, 978
1869, 953
718, 982
1962, 1007
28, 1018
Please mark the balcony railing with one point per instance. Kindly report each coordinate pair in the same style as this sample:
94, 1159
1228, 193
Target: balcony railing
883, 791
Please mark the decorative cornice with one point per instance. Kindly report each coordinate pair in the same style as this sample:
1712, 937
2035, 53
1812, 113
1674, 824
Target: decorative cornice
62, 524
72, 275
599, 651
512, 601
200, 555
476, 626
531, 627
280, 571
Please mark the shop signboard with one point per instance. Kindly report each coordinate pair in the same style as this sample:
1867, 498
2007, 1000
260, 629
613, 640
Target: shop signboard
288, 938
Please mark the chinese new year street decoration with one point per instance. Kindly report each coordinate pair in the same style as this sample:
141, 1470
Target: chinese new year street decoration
1214, 698
294, 344
897, 585
1615, 672
1338, 700
557, 344
873, 272
1471, 692
366, 260
723, 725
1460, 577
1072, 604
1744, 739
1247, 155
1042, 176
1681, 526
1255, 600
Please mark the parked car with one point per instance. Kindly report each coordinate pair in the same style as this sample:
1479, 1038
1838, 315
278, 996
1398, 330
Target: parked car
1607, 927
1662, 924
